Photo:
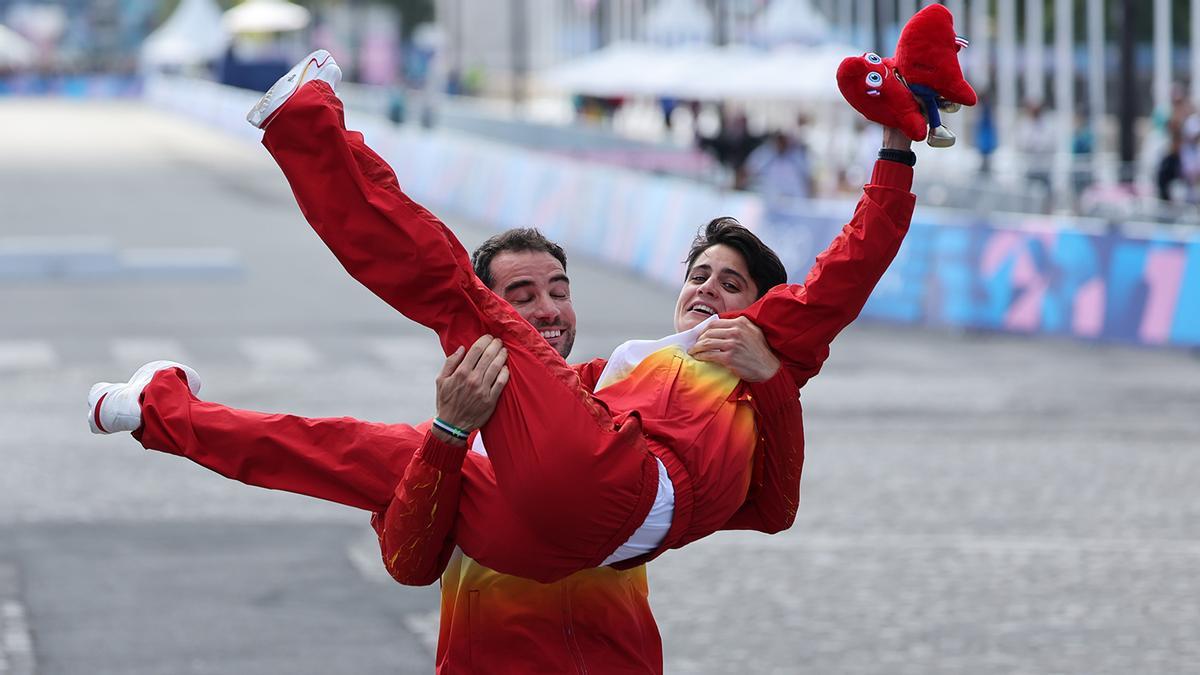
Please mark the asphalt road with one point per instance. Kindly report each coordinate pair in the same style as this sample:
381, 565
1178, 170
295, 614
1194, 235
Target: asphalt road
971, 503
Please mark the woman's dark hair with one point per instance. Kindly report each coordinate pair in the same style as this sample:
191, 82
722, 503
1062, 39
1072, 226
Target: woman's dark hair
516, 240
764, 266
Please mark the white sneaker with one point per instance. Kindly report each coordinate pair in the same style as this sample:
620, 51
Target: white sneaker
318, 65
114, 407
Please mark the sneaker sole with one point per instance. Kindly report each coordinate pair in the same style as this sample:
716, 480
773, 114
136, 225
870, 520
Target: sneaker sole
269, 98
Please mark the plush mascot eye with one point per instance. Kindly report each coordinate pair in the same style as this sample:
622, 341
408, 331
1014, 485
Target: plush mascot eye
872, 57
874, 80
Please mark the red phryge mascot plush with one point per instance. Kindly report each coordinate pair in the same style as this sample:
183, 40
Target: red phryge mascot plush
927, 62
869, 83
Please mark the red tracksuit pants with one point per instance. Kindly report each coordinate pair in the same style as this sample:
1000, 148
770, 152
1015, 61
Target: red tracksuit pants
571, 481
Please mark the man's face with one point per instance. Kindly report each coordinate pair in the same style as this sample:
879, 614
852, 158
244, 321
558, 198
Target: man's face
719, 281
536, 285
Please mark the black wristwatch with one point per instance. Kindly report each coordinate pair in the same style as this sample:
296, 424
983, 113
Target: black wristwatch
907, 157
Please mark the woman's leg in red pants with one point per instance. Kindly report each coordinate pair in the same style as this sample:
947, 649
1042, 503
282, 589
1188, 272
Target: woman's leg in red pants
559, 459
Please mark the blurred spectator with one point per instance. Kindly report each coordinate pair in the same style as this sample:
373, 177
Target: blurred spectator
1083, 144
597, 109
1036, 140
1189, 158
732, 145
986, 136
667, 105
1180, 150
780, 168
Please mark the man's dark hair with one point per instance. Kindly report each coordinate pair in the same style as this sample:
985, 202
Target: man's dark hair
764, 266
515, 240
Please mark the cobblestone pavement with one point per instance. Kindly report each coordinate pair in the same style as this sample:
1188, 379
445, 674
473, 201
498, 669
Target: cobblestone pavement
971, 503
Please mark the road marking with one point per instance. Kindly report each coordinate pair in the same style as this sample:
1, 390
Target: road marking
176, 264
425, 626
66, 257
968, 544
402, 353
280, 353
133, 352
364, 556
16, 642
18, 355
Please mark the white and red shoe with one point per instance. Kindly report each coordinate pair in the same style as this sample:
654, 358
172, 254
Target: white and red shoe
114, 407
318, 65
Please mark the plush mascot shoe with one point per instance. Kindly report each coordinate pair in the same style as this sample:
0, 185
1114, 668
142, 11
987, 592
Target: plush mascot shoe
948, 106
941, 137
318, 65
114, 407
870, 85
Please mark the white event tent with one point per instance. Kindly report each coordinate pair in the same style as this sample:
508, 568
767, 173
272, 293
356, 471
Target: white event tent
191, 36
266, 16
674, 22
791, 22
15, 51
678, 59
791, 74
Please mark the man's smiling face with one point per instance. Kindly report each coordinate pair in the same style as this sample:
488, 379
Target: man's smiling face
536, 285
719, 281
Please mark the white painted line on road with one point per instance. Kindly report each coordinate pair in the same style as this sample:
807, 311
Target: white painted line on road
280, 353
425, 626
364, 555
17, 355
67, 257
401, 353
135, 351
16, 644
966, 544
175, 263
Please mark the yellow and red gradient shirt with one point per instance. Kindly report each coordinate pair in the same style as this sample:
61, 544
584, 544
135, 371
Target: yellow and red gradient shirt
596, 620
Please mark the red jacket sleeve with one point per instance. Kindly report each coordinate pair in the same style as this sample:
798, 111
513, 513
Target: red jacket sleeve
416, 531
799, 322
774, 495
340, 460
589, 372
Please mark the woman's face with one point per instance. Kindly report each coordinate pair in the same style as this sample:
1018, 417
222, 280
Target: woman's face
719, 281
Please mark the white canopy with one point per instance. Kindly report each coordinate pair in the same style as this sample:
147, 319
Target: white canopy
705, 73
792, 22
192, 35
266, 16
15, 51
673, 22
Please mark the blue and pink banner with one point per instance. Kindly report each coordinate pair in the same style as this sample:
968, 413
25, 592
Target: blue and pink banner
1031, 275
71, 86
1048, 278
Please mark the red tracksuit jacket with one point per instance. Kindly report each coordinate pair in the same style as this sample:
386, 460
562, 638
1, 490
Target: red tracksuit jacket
594, 621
